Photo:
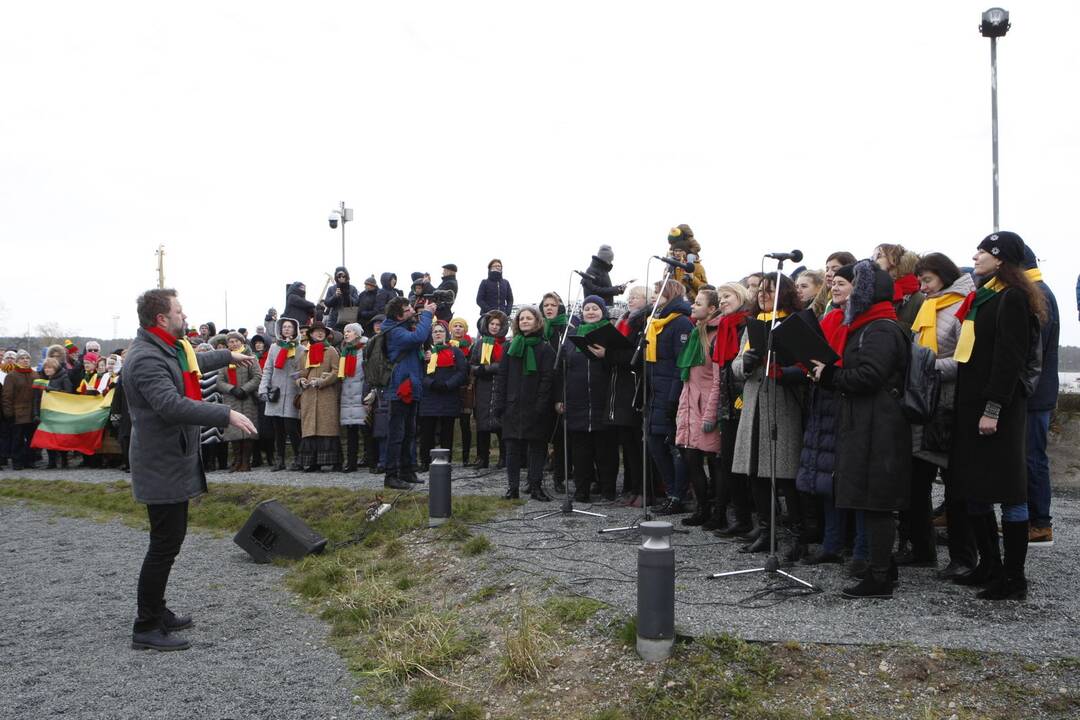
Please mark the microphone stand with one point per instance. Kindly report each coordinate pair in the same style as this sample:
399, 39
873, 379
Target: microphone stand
638, 352
772, 563
568, 501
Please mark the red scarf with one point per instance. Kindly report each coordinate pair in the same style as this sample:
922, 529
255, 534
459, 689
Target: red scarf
262, 359
904, 286
837, 333
285, 351
726, 346
349, 355
23, 370
315, 354
623, 326
192, 388
231, 373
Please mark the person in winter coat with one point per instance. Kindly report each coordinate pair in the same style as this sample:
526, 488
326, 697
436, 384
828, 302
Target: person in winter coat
813, 293
264, 444
1040, 405
341, 294
239, 388
446, 371
766, 404
555, 322
353, 389
730, 488
696, 426
420, 287
525, 395
214, 452
900, 264
319, 405
387, 292
367, 306
623, 410
597, 279
681, 245
18, 408
297, 306
459, 338
444, 310
485, 360
988, 458
936, 327
665, 336
406, 333
495, 293
873, 463
278, 391
583, 396
53, 371
377, 402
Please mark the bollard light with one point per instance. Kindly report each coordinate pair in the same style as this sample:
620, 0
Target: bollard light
655, 592
439, 497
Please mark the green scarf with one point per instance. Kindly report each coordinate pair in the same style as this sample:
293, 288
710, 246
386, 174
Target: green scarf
524, 346
585, 328
692, 354
559, 321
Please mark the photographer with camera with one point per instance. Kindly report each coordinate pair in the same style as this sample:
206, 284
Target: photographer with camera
406, 333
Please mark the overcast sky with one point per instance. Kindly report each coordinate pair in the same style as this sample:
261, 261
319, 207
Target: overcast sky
531, 132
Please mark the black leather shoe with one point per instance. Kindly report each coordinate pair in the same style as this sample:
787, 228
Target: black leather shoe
734, 529
158, 639
410, 477
173, 622
278, 468
869, 588
538, 493
673, 506
698, 518
908, 558
482, 464
512, 494
758, 546
955, 570
395, 483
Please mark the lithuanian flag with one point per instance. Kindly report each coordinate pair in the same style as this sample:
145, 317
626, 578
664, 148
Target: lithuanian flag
72, 422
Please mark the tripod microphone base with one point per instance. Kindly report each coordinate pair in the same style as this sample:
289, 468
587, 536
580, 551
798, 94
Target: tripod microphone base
568, 509
773, 570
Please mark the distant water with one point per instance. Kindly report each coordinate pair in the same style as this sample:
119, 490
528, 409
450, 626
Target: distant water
1070, 382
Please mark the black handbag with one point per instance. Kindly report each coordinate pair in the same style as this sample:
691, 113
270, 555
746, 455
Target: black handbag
347, 315
273, 394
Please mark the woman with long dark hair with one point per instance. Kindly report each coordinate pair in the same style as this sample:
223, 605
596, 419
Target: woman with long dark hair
764, 409
555, 322
988, 461
624, 395
486, 359
525, 397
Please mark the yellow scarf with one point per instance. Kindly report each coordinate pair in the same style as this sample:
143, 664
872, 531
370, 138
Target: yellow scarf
766, 317
1034, 274
966, 342
925, 325
656, 326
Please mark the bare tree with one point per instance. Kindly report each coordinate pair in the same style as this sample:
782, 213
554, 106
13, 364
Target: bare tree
51, 333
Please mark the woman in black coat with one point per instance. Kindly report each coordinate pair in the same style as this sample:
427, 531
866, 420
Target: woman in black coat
873, 461
988, 459
525, 402
592, 440
447, 371
624, 396
555, 322
485, 359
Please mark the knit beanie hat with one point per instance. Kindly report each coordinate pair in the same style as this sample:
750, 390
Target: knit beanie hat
847, 272
71, 347
417, 276
460, 321
444, 325
1005, 246
91, 357
596, 300
371, 281
680, 232
606, 254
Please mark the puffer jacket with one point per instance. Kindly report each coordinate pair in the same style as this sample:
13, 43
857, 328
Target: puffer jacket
353, 410
817, 459
386, 292
349, 297
600, 282
665, 384
495, 293
404, 343
587, 381
526, 401
366, 303
297, 305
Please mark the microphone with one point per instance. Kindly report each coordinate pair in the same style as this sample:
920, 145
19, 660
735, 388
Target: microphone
687, 266
587, 275
794, 255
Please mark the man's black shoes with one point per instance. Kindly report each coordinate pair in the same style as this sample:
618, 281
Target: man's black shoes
158, 639
173, 622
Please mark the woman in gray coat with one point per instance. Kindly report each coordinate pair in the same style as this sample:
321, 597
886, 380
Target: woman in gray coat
353, 410
278, 390
238, 385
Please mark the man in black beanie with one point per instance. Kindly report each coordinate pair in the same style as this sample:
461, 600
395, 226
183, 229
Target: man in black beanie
597, 279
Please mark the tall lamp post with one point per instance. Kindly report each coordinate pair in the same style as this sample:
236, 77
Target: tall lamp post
343, 215
995, 23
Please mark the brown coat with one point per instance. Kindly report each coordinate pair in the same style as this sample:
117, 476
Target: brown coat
319, 408
18, 397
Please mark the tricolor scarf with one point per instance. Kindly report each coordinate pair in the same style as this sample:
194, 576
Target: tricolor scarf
656, 326
692, 354
315, 353
837, 333
88, 383
559, 321
925, 325
347, 363
41, 384
966, 314
189, 365
524, 347
441, 356
585, 328
464, 344
904, 286
286, 350
726, 346
491, 349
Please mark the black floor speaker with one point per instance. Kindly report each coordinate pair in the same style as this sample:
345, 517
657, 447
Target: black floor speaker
272, 531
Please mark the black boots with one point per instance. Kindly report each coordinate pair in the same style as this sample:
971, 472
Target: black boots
158, 639
1011, 584
984, 528
536, 491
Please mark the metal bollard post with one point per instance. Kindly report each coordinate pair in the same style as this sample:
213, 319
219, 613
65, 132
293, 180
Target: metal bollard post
439, 501
656, 592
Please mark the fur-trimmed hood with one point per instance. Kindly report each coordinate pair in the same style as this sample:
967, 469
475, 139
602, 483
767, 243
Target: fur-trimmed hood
871, 285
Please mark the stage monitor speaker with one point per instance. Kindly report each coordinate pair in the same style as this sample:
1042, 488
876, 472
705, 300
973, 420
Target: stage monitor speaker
272, 531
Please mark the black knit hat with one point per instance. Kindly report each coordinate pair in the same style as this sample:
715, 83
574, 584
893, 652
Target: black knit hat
1005, 246
846, 271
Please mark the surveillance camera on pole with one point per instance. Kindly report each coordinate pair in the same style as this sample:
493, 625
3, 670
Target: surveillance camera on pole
341, 215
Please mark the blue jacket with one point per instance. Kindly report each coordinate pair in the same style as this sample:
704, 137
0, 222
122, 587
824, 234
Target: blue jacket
404, 347
665, 383
442, 388
817, 459
495, 293
1046, 392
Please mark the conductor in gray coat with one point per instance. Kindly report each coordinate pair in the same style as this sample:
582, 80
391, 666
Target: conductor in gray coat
165, 402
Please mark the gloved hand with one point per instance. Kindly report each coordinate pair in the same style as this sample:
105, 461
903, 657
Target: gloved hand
750, 361
237, 392
708, 426
114, 420
263, 397
315, 383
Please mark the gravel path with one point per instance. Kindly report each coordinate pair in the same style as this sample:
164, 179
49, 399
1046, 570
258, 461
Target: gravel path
68, 589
